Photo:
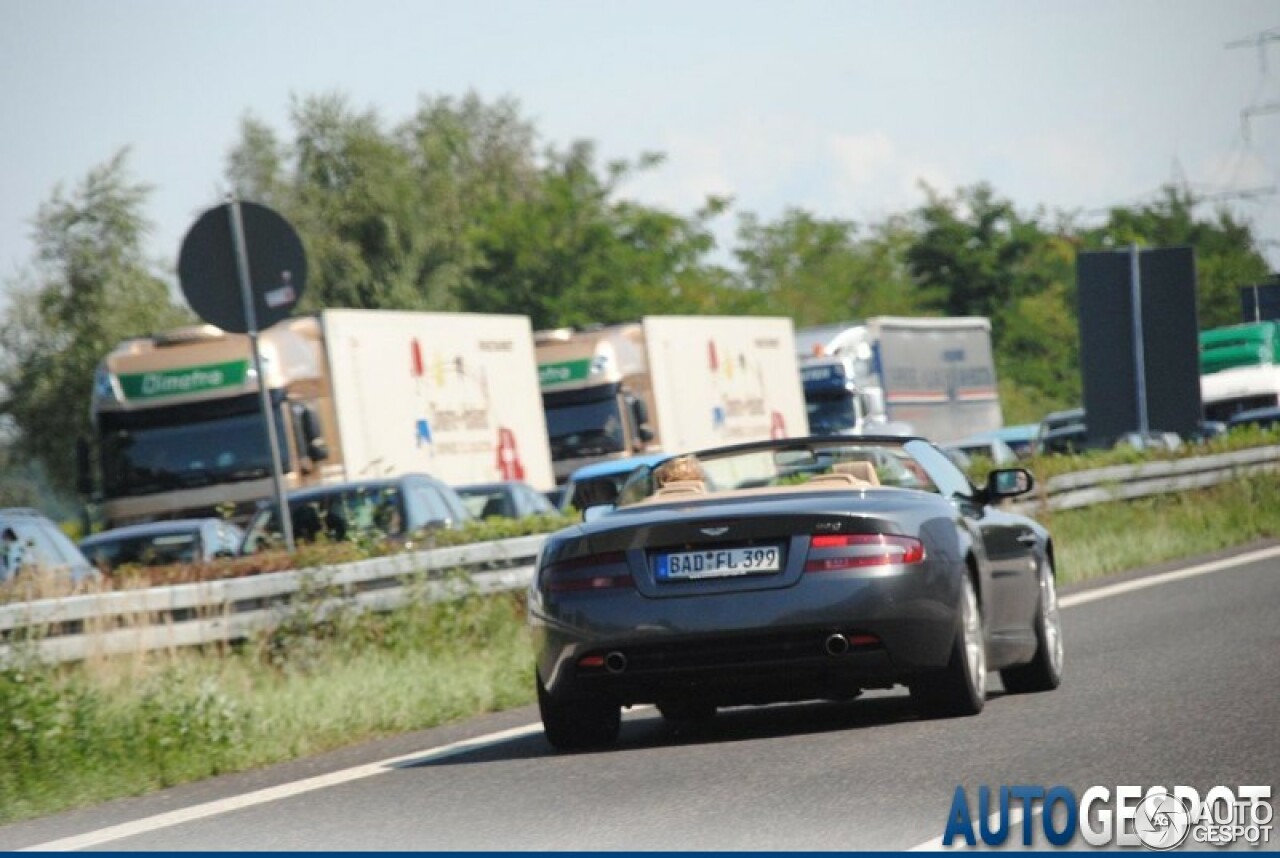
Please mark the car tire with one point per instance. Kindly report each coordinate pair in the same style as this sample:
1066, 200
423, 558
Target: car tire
960, 688
578, 722
1044, 671
686, 711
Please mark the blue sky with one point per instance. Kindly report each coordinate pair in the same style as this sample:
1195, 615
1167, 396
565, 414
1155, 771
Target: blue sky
839, 107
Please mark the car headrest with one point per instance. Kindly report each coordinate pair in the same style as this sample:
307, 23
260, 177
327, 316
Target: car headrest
682, 487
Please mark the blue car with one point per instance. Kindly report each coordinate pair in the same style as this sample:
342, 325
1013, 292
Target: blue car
598, 483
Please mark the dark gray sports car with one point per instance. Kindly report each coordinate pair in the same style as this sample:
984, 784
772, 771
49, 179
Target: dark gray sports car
794, 569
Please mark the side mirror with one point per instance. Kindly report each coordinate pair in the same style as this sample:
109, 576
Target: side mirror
311, 433
84, 467
1008, 483
640, 413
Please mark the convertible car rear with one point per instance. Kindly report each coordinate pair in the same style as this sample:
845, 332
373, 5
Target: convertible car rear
795, 569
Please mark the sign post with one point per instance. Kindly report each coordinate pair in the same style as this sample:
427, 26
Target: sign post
264, 395
243, 266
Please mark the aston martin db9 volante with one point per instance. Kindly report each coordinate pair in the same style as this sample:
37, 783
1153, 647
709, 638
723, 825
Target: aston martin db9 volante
795, 569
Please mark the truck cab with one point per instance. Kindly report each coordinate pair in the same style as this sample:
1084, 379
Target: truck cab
835, 403
594, 395
178, 429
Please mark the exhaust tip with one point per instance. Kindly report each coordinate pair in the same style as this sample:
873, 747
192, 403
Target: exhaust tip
615, 662
836, 645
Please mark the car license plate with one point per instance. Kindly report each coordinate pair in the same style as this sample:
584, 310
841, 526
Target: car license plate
718, 563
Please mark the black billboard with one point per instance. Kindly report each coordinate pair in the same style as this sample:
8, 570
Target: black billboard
1260, 302
1170, 347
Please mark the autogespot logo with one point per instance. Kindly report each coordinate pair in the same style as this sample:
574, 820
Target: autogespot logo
1162, 821
1157, 818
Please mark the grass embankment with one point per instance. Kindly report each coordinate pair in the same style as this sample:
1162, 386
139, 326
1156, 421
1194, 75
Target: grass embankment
81, 734
1112, 537
78, 734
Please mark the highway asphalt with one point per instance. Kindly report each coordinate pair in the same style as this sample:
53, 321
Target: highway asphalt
1174, 683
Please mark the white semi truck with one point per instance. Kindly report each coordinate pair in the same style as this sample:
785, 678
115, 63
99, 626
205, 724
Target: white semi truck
667, 383
355, 394
933, 377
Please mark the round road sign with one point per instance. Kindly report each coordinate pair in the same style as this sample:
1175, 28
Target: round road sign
210, 278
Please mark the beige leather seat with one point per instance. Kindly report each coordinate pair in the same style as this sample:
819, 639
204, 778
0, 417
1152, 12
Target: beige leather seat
862, 471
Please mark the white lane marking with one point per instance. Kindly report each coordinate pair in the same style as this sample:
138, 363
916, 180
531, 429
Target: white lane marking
226, 805
1166, 577
214, 808
1094, 595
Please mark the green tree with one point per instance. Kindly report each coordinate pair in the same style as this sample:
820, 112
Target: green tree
457, 208
821, 270
90, 288
389, 216
573, 253
974, 253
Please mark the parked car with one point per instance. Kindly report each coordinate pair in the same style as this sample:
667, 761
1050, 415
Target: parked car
986, 445
31, 542
159, 543
398, 509
1062, 432
958, 456
1020, 437
832, 575
508, 499
1207, 430
1267, 418
1167, 441
598, 483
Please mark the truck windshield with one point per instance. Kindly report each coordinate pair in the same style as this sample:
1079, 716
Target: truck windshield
584, 422
831, 415
163, 449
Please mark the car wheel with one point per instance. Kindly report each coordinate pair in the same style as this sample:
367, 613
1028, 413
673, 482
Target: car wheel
960, 688
572, 723
686, 710
1044, 671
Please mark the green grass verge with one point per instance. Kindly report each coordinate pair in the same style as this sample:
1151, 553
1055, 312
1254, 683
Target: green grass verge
81, 734
75, 735
1107, 538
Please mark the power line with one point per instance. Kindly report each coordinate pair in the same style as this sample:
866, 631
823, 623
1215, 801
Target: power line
1259, 110
1259, 41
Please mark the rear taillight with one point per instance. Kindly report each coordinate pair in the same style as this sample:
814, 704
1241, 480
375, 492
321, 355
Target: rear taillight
593, 572
833, 552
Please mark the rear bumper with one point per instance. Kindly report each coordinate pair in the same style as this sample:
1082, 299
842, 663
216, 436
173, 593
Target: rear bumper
749, 647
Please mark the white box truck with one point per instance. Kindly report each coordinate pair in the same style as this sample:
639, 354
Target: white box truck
936, 377
667, 383
355, 394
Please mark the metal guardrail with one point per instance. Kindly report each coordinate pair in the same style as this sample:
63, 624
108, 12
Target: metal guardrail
1127, 482
159, 618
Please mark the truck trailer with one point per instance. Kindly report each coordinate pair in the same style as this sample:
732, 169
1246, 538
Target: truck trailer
667, 383
926, 376
354, 394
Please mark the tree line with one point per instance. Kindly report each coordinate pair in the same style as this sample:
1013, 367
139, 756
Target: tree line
460, 207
